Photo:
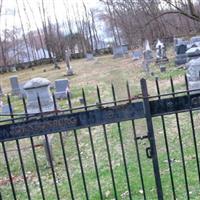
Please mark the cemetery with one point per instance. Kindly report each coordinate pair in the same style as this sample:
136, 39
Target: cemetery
100, 117
102, 71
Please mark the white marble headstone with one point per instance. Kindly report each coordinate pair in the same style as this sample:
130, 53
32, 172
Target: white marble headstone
147, 52
70, 71
193, 75
159, 47
38, 87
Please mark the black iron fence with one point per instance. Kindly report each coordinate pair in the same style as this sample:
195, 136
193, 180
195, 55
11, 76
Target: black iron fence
142, 147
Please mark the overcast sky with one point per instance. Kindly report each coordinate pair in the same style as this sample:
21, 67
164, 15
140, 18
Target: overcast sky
8, 20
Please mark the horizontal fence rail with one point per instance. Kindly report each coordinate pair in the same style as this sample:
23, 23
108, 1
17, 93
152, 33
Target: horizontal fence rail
96, 117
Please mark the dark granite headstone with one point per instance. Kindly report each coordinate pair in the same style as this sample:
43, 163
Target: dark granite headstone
62, 88
181, 49
181, 56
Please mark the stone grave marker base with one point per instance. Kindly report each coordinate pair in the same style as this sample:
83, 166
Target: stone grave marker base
194, 85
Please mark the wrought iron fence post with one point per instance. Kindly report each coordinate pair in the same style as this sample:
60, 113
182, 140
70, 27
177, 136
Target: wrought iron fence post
151, 137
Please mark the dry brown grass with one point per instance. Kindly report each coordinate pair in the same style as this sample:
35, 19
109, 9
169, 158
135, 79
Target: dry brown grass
102, 69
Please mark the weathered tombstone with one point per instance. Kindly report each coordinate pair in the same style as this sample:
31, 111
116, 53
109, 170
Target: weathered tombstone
193, 53
89, 56
81, 100
162, 68
39, 88
15, 87
147, 51
159, 46
181, 49
193, 75
175, 42
136, 55
161, 52
13, 68
118, 52
125, 48
181, 41
69, 67
5, 109
147, 56
181, 56
62, 88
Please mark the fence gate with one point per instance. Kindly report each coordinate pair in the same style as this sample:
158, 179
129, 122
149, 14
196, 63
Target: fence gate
143, 147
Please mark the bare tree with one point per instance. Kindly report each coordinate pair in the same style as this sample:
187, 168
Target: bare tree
38, 30
88, 28
44, 25
23, 31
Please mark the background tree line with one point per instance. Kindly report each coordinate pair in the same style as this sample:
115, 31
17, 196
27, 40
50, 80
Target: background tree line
137, 20
124, 21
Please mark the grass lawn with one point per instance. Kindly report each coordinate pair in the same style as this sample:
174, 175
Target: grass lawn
104, 71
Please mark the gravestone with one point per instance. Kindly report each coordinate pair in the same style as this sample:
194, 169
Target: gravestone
181, 41
69, 67
118, 52
39, 87
6, 109
181, 49
162, 68
125, 48
136, 55
161, 52
62, 88
181, 56
89, 56
176, 41
13, 68
193, 53
148, 56
193, 75
147, 51
15, 87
